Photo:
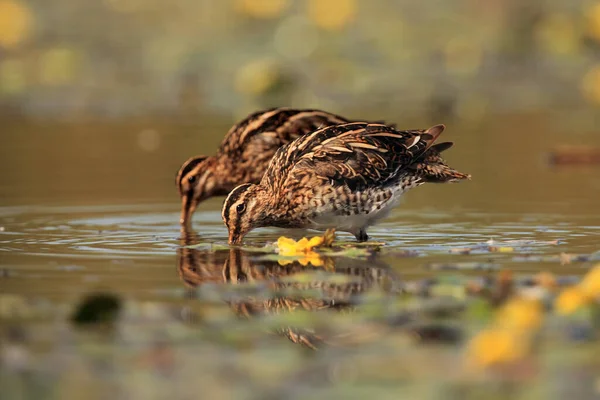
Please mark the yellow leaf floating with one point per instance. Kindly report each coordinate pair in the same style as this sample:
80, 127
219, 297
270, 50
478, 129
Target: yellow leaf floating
570, 300
590, 285
290, 247
304, 248
510, 337
495, 346
520, 314
575, 297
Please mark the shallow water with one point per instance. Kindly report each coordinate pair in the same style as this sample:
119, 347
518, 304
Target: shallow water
87, 209
55, 250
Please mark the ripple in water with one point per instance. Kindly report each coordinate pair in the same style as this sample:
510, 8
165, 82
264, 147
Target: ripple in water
153, 230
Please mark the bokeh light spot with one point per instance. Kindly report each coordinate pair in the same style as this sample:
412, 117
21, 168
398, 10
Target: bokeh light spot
12, 78
590, 85
593, 19
262, 8
557, 34
332, 14
256, 77
15, 23
57, 66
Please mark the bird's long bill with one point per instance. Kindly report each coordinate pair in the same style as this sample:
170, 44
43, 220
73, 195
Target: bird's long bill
234, 238
187, 210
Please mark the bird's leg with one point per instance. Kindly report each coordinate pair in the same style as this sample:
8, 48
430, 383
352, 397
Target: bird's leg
361, 235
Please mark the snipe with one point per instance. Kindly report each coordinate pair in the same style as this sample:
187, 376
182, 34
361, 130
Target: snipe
347, 177
244, 153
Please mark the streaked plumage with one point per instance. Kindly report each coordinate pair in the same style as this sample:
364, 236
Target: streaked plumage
347, 177
244, 153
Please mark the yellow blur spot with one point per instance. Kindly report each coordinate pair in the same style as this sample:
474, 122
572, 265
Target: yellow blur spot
15, 23
590, 285
309, 257
590, 85
570, 300
505, 249
57, 66
256, 77
557, 34
593, 21
495, 346
262, 8
575, 297
521, 314
12, 77
290, 247
304, 248
332, 14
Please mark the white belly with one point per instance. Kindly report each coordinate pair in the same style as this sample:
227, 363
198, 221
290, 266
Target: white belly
355, 222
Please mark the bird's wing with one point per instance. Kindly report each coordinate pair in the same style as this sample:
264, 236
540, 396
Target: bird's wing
357, 155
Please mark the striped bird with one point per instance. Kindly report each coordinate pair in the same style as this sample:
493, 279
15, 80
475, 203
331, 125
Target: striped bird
244, 153
347, 177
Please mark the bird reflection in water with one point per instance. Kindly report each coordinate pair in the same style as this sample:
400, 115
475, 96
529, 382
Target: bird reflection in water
197, 267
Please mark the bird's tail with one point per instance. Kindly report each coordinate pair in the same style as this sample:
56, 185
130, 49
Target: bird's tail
432, 168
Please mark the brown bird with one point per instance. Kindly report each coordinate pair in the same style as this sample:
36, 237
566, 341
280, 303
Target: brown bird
347, 177
244, 153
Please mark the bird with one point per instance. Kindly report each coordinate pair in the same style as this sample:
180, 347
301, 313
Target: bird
244, 153
347, 176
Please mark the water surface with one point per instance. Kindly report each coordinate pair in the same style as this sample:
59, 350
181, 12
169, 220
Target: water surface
88, 208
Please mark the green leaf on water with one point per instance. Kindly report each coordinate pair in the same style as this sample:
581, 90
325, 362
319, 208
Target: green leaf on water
350, 252
267, 248
344, 243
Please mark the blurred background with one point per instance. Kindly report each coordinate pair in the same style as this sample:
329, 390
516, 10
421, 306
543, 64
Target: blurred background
120, 58
103, 100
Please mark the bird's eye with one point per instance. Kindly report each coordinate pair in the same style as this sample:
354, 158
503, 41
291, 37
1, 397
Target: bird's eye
240, 208
192, 179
